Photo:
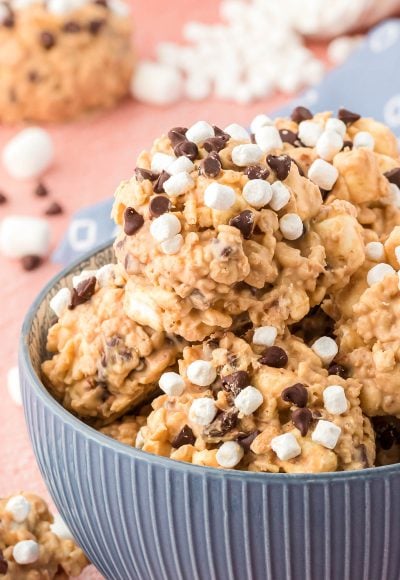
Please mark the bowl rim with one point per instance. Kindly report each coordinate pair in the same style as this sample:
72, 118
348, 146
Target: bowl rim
89, 432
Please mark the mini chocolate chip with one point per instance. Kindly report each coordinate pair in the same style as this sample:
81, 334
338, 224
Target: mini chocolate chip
54, 209
159, 205
177, 135
184, 437
393, 176
41, 190
290, 137
142, 174
299, 167
241, 324
211, 166
159, 184
187, 149
31, 262
95, 26
71, 27
347, 144
9, 20
83, 292
47, 40
256, 172
301, 419
220, 133
3, 198
274, 356
133, 221
235, 382
296, 394
3, 564
280, 164
215, 144
244, 222
300, 114
387, 429
223, 423
247, 439
101, 3
347, 116
340, 370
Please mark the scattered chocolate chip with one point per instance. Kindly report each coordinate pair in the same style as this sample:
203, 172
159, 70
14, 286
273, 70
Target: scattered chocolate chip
274, 356
3, 564
244, 222
41, 190
159, 205
3, 198
301, 419
71, 27
296, 394
299, 167
387, 429
340, 370
31, 262
347, 116
211, 166
223, 423
347, 144
241, 324
256, 172
186, 148
47, 40
218, 132
177, 135
159, 184
300, 114
290, 137
280, 164
184, 437
235, 382
247, 439
214, 144
54, 209
95, 26
142, 174
83, 292
133, 221
393, 176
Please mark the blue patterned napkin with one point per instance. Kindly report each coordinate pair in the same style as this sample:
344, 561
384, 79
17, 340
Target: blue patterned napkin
366, 83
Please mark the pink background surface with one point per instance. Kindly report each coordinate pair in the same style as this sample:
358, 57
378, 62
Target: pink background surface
92, 157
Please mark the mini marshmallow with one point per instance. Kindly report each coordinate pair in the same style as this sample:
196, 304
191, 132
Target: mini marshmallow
60, 528
172, 245
285, 446
19, 508
375, 251
326, 348
23, 236
237, 132
197, 89
202, 411
26, 552
377, 273
219, 197
397, 254
14, 386
260, 121
257, 193
268, 138
164, 227
291, 226
105, 275
172, 384
326, 434
280, 196
365, 140
181, 164
243, 155
309, 132
265, 335
29, 154
84, 275
201, 373
229, 454
248, 400
178, 184
156, 83
199, 132
60, 301
323, 174
161, 161
329, 144
337, 125
140, 441
335, 400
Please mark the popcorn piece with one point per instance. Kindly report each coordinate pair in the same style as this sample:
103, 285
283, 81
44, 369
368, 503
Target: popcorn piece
326, 434
286, 446
156, 83
229, 454
199, 132
243, 155
29, 154
265, 335
280, 196
329, 144
172, 384
326, 348
219, 197
60, 528
248, 400
237, 132
178, 184
202, 411
26, 552
291, 226
59, 303
257, 193
201, 373
260, 121
309, 132
323, 174
19, 507
165, 227
172, 245
268, 138
337, 125
377, 273
335, 400
181, 164
364, 139
24, 236
161, 161
375, 251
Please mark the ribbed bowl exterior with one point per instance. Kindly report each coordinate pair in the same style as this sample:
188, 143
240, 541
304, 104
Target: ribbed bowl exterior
143, 517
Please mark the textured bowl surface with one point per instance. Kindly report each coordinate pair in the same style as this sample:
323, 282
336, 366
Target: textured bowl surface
143, 517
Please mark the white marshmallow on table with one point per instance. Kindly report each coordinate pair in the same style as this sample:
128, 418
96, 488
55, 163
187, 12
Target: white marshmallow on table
19, 508
237, 132
248, 400
105, 275
26, 552
172, 384
326, 348
156, 83
60, 528
202, 411
161, 162
377, 273
29, 154
257, 193
337, 125
309, 132
172, 245
323, 174
14, 385
84, 275
364, 140
291, 226
180, 164
260, 121
199, 132
265, 335
246, 154
229, 454
280, 196
326, 433
164, 227
219, 197
23, 236
335, 401
268, 138
375, 251
197, 88
201, 373
178, 184
285, 446
329, 144
60, 301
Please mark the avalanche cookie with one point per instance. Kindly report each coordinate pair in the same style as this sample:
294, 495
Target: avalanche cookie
62, 58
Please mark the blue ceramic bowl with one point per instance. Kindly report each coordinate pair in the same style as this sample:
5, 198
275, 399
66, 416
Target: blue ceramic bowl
143, 517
